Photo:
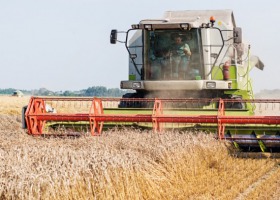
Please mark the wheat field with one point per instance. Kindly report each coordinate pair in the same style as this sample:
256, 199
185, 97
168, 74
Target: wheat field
126, 164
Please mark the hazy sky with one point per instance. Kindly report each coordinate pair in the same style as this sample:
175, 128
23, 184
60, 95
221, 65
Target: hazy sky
64, 44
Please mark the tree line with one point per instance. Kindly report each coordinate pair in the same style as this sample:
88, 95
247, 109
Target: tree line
98, 91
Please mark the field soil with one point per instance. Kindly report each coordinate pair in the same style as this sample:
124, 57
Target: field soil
127, 164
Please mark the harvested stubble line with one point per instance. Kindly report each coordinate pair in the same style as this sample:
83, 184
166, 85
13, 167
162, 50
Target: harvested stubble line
237, 123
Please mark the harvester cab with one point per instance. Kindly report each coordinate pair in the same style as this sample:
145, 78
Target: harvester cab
216, 64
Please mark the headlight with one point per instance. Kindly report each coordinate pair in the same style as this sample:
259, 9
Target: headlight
136, 85
211, 85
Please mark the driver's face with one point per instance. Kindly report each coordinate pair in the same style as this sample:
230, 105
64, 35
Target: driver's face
178, 40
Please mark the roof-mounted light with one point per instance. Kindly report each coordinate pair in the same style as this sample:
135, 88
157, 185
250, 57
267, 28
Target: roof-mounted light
204, 25
212, 20
148, 26
185, 26
208, 25
135, 26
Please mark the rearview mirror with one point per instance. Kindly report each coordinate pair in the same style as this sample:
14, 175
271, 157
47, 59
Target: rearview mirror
113, 36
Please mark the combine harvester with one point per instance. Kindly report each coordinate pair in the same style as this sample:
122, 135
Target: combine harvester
205, 87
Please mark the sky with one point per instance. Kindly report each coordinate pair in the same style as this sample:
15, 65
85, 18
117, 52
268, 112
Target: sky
65, 44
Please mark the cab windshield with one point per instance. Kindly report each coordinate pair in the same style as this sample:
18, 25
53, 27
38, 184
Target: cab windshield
173, 55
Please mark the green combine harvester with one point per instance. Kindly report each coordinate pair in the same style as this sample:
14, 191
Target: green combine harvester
187, 70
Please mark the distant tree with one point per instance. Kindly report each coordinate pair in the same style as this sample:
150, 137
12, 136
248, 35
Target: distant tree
115, 92
67, 93
43, 92
7, 91
99, 91
10, 91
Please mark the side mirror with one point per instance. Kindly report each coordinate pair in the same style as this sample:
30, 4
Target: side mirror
237, 34
113, 36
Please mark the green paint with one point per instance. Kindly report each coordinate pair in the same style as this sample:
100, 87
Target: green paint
132, 77
217, 74
262, 146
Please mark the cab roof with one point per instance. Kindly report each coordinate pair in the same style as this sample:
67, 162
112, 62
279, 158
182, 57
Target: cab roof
194, 17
